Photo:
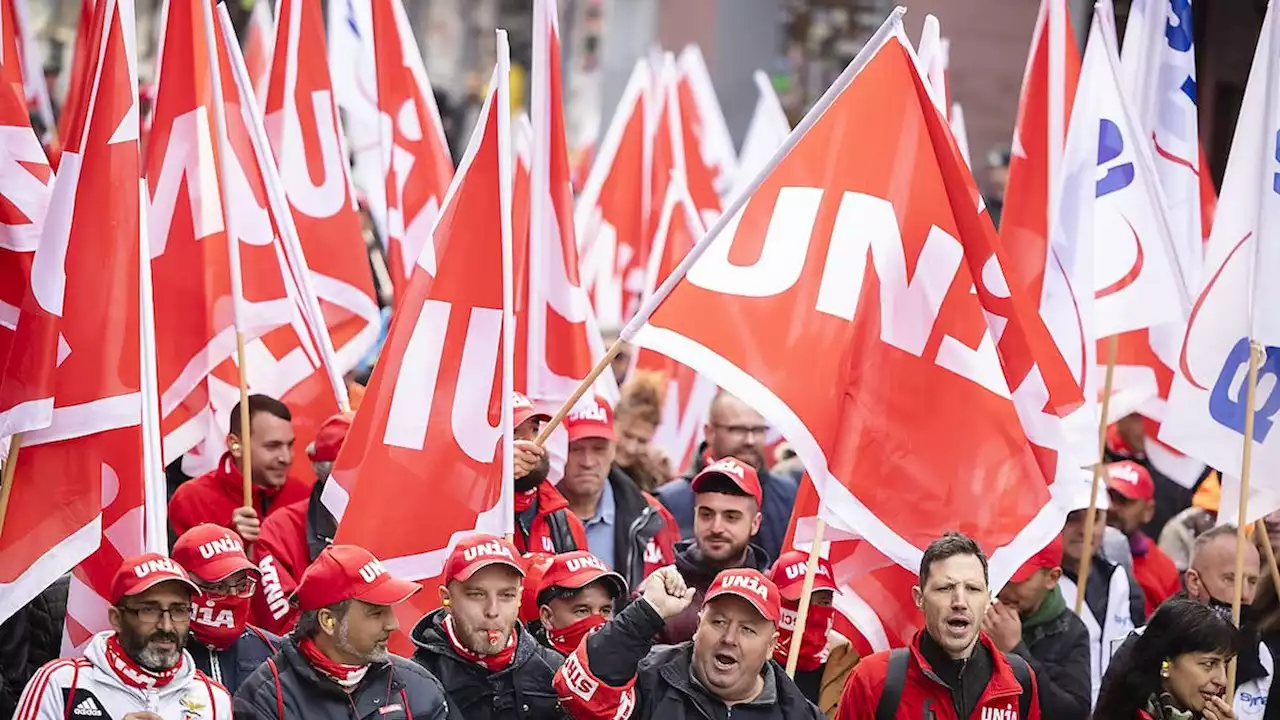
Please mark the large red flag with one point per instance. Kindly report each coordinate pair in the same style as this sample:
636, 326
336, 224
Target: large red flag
919, 364
79, 483
436, 420
258, 47
79, 77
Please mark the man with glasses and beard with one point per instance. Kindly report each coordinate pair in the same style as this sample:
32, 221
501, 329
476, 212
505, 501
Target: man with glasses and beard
139, 669
543, 520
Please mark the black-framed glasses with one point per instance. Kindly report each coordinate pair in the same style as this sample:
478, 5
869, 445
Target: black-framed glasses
242, 588
152, 613
742, 431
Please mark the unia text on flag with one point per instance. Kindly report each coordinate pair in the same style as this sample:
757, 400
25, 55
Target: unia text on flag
1207, 415
436, 420
416, 165
766, 131
879, 278
612, 212
79, 346
705, 121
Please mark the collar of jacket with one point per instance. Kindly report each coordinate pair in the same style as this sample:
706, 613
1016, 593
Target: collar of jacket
233, 481
429, 635
289, 659
699, 574
999, 684
677, 671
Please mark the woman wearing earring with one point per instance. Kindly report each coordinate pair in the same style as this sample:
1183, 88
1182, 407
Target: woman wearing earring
1177, 670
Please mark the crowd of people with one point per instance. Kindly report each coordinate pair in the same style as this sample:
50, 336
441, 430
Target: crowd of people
644, 596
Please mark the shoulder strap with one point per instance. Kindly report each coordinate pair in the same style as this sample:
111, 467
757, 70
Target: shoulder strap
275, 674
263, 637
1022, 672
894, 682
561, 536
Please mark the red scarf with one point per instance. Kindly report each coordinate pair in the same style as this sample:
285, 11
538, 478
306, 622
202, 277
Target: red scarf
813, 643
347, 676
133, 674
525, 500
568, 638
217, 621
494, 663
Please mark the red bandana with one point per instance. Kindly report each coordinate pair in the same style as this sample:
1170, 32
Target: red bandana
494, 663
347, 676
133, 674
568, 638
525, 500
813, 642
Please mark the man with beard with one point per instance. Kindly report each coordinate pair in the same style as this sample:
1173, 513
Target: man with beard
576, 594
951, 670
825, 656
139, 669
727, 498
543, 520
734, 429
1132, 496
335, 664
226, 647
1211, 580
725, 671
490, 666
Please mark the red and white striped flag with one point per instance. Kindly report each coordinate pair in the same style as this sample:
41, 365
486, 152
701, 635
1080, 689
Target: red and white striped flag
258, 48
21, 57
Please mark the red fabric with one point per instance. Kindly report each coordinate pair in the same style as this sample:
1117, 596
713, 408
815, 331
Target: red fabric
493, 663
1156, 575
585, 696
813, 640
340, 672
661, 550
539, 538
282, 555
214, 497
921, 693
133, 674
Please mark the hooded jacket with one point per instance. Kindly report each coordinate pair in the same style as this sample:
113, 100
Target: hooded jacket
89, 687
645, 534
291, 538
522, 691
214, 497
698, 574
231, 667
543, 528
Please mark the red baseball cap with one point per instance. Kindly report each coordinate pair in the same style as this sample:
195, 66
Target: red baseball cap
578, 569
143, 572
477, 552
738, 472
329, 438
1047, 559
211, 553
789, 570
536, 565
349, 572
1130, 480
752, 586
590, 419
522, 409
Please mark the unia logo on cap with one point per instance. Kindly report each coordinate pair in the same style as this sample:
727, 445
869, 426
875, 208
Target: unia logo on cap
519, 402
162, 565
582, 563
493, 548
795, 571
371, 570
1125, 472
224, 544
745, 582
730, 466
593, 413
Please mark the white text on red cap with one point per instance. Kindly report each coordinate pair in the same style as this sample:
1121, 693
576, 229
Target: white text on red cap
371, 570
595, 412
797, 570
492, 548
163, 565
746, 583
728, 466
1126, 473
224, 544
520, 401
582, 563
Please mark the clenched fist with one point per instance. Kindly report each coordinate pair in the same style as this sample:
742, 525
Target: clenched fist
527, 454
666, 592
244, 520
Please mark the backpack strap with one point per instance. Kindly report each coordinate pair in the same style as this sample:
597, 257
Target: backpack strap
275, 674
561, 536
1022, 672
263, 637
894, 682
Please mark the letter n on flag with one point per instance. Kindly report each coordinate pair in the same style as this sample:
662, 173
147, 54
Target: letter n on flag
917, 363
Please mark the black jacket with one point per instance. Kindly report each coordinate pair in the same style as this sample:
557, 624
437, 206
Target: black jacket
1097, 591
233, 666
30, 638
523, 690
394, 690
665, 687
1058, 652
698, 575
636, 522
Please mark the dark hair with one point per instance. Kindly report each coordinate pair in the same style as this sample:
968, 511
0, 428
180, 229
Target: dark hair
949, 545
309, 622
1178, 627
559, 592
721, 484
260, 404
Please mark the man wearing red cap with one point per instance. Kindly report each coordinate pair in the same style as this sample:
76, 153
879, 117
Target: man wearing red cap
218, 496
626, 527
576, 595
727, 670
226, 647
1133, 502
727, 500
335, 664
1032, 619
139, 669
293, 536
825, 656
490, 666
543, 520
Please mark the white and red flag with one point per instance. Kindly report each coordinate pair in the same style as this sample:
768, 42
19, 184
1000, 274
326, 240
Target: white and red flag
705, 123
1235, 305
22, 57
78, 78
436, 420
879, 279
258, 43
768, 128
416, 165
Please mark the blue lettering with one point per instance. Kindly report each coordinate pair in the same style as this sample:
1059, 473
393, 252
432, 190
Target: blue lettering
1228, 407
1110, 146
1178, 34
1275, 177
351, 18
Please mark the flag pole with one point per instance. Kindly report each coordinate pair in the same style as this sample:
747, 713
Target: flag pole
806, 595
1264, 539
6, 481
1242, 526
1113, 346
581, 390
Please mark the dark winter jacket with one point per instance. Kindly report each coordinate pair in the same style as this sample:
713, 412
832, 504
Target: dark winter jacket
520, 692
233, 666
645, 534
1055, 643
395, 690
698, 574
30, 638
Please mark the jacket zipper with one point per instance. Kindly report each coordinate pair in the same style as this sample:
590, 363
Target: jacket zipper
215, 668
633, 535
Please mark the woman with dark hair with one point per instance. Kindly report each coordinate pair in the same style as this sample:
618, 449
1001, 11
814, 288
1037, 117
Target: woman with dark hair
1177, 670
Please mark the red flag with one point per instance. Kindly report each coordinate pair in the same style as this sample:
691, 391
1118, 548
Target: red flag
418, 166
707, 132
80, 78
909, 336
257, 48
436, 419
77, 347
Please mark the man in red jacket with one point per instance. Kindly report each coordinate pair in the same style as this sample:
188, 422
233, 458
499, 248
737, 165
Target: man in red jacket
543, 520
218, 497
1133, 502
951, 671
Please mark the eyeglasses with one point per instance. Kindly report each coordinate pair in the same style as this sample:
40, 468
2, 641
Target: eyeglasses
740, 432
152, 613
243, 587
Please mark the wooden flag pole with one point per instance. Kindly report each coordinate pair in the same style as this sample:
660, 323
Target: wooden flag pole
6, 480
1242, 525
1260, 528
582, 389
246, 456
1113, 344
806, 594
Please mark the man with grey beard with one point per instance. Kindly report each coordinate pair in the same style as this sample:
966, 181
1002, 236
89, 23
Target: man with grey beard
335, 662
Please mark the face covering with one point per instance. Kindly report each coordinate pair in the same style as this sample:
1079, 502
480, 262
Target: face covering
1223, 610
568, 638
218, 620
813, 643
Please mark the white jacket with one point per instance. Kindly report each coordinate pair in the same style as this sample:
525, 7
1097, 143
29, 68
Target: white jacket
95, 691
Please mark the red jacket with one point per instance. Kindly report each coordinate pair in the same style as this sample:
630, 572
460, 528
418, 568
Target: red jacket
1154, 570
922, 693
214, 497
282, 554
539, 539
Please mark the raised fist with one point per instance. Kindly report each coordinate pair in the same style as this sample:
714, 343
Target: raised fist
526, 456
666, 592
